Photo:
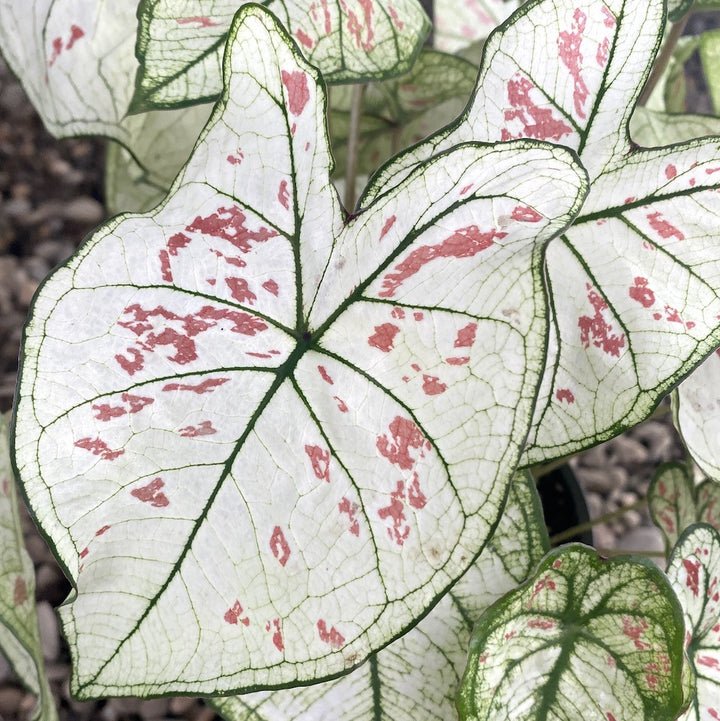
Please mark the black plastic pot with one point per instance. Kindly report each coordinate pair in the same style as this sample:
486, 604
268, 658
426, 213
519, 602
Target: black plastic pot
564, 504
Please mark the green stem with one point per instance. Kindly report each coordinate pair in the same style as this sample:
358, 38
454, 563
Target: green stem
582, 527
353, 143
663, 59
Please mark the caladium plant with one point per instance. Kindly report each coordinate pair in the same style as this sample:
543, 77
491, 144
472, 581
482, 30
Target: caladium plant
266, 435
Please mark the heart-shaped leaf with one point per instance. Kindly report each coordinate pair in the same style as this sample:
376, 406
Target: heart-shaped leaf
641, 260
180, 44
459, 24
584, 638
19, 634
274, 429
415, 678
694, 572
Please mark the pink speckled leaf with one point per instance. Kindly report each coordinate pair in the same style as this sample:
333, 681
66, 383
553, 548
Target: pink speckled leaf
694, 572
585, 638
264, 437
672, 501
180, 44
416, 677
19, 633
633, 284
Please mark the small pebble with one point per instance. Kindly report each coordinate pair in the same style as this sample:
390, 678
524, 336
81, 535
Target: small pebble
628, 452
49, 631
85, 210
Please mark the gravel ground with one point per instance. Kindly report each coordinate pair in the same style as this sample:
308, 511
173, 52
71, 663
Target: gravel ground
50, 198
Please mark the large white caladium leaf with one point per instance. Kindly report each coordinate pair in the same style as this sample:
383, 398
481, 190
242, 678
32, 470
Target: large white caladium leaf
19, 634
586, 637
642, 259
416, 677
694, 572
180, 43
265, 438
459, 24
697, 415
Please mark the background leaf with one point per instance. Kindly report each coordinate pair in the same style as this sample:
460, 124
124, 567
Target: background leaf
416, 677
180, 44
672, 502
19, 634
321, 432
459, 24
710, 58
694, 572
576, 83
584, 638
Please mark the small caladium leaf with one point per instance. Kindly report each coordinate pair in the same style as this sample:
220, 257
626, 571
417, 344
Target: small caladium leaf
400, 112
274, 424
672, 501
694, 572
180, 44
657, 267
697, 415
458, 25
654, 128
416, 677
584, 638
19, 634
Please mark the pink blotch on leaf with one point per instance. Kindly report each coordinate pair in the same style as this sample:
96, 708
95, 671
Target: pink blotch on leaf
571, 57
663, 228
199, 20
386, 226
526, 214
229, 224
237, 158
350, 509
595, 328
405, 438
152, 494
670, 172
466, 189
395, 511
296, 85
460, 361
398, 313
342, 406
240, 290
432, 386
320, 461
101, 531
355, 27
463, 243
603, 52
84, 553
234, 613
332, 636
98, 448
19, 591
277, 638
76, 33
279, 546
545, 583
105, 412
537, 122
418, 316
384, 337
545, 624
692, 568
609, 18
205, 428
284, 194
641, 293
399, 24
565, 394
325, 375
304, 39
466, 336
634, 630
708, 662
271, 287
207, 386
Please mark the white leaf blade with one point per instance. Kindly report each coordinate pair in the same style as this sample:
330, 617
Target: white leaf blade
459, 25
201, 331
414, 679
